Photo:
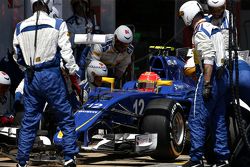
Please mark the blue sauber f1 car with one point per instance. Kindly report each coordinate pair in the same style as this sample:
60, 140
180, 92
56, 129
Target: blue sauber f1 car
118, 116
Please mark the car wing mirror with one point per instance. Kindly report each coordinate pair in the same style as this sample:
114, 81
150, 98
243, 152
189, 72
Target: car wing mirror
109, 80
163, 83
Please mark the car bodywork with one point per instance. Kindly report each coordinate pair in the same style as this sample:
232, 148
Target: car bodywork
122, 111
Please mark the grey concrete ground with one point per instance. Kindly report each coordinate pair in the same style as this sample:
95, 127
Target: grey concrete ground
108, 160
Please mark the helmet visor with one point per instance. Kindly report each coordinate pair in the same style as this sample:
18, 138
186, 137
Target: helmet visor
146, 85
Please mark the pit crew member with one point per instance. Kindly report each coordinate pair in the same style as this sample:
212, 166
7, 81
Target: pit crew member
36, 40
116, 53
219, 16
209, 102
79, 23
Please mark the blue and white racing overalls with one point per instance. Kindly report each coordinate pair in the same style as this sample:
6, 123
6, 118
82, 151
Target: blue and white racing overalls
47, 83
208, 42
244, 67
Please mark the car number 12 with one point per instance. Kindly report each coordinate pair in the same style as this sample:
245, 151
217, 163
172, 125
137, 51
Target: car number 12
138, 106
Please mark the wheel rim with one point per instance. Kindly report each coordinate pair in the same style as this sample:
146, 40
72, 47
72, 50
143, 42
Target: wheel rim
178, 129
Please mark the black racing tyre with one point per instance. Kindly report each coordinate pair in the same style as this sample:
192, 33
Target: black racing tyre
165, 117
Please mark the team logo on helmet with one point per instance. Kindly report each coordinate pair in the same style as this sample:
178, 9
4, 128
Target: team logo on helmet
127, 37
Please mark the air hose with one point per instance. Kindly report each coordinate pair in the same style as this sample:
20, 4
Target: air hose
235, 86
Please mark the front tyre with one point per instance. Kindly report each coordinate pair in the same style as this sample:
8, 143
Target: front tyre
165, 117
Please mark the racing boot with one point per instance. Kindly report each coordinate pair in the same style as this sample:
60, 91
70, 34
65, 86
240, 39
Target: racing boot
192, 164
70, 163
224, 163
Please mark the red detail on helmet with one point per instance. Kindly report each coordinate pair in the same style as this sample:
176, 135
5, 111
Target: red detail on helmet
147, 81
3, 73
126, 31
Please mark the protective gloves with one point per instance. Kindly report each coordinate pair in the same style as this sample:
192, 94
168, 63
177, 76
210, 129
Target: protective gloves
85, 90
82, 88
75, 83
207, 91
219, 72
18, 106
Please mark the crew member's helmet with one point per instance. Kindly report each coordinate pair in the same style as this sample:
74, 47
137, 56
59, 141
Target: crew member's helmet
123, 37
189, 10
216, 7
4, 82
96, 69
124, 34
147, 82
4, 78
49, 3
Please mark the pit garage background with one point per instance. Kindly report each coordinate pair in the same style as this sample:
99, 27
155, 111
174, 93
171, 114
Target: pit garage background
153, 23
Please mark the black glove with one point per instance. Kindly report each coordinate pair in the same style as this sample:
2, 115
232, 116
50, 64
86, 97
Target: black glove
207, 91
219, 72
18, 106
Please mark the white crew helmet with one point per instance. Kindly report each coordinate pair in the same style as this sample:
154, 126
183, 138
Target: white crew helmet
189, 10
96, 68
4, 78
49, 3
216, 3
124, 34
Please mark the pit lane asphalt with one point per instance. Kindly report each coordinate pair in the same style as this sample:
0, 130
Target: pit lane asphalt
108, 160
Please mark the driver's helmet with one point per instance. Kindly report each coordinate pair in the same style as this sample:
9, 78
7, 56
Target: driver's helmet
147, 81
